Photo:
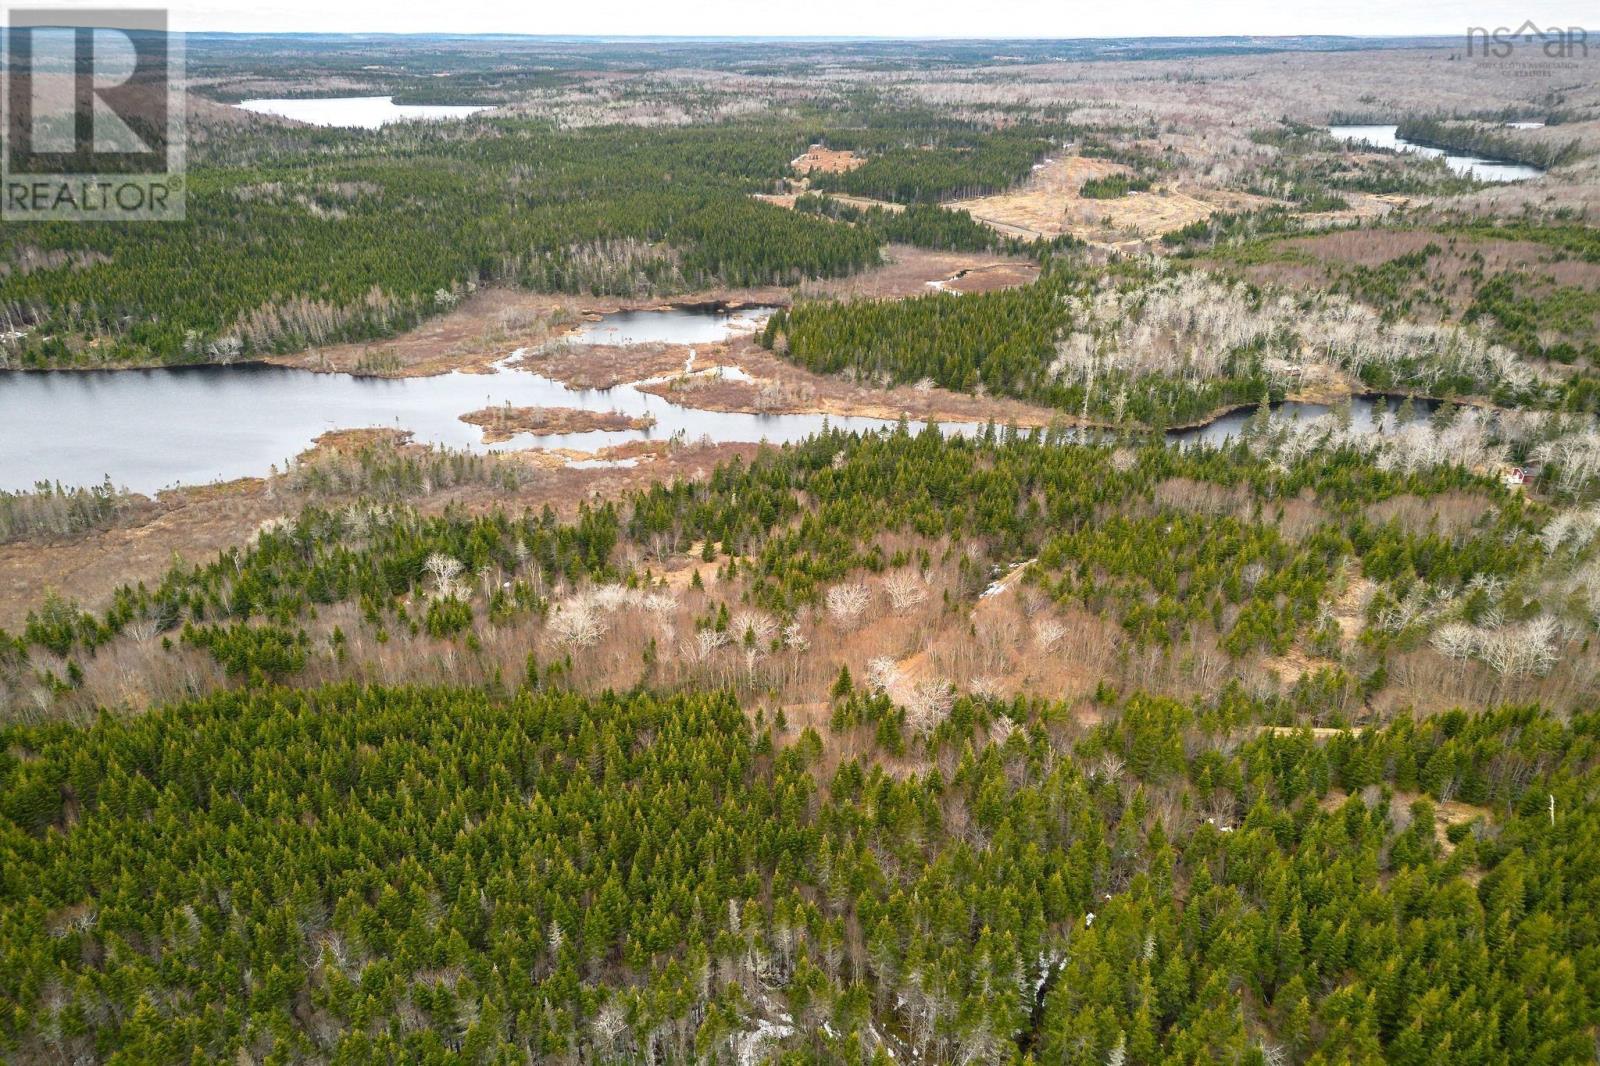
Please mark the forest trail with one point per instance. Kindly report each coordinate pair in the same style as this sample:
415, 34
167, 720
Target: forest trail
1349, 610
1447, 814
1317, 732
1295, 663
1349, 615
682, 577
1004, 584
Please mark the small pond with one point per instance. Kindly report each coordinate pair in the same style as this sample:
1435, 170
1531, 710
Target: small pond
1365, 414
678, 325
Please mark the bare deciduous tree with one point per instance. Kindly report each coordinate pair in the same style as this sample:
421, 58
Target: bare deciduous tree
1455, 640
794, 638
847, 604
578, 625
928, 705
755, 628
905, 590
1047, 633
445, 571
704, 645
985, 686
882, 674
1527, 650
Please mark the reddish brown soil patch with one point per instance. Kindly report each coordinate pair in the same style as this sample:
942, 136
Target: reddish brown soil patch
777, 386
909, 271
197, 523
605, 366
991, 278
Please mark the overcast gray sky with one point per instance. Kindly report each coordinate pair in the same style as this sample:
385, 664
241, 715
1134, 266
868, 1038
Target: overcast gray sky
885, 18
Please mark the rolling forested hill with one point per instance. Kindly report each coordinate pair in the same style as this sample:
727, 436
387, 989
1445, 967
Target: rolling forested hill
1128, 739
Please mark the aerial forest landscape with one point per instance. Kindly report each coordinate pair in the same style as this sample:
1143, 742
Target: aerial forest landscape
742, 544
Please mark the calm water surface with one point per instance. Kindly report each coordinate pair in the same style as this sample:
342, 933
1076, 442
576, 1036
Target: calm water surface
1365, 414
153, 429
673, 326
1467, 165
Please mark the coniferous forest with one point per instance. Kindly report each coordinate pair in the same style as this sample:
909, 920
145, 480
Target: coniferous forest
373, 874
1173, 638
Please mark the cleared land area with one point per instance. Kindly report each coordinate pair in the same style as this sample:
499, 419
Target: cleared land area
1050, 204
819, 159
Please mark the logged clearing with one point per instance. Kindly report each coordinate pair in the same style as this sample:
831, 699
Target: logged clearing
1446, 815
1296, 663
1318, 732
820, 160
1348, 610
1364, 207
867, 202
787, 199
1048, 204
909, 271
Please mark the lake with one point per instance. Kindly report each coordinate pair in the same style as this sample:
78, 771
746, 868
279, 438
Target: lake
1467, 165
152, 429
361, 112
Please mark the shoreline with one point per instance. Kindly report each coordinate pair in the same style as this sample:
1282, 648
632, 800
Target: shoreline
697, 391
1325, 399
495, 319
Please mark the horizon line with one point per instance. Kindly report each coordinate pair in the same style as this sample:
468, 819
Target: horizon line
778, 37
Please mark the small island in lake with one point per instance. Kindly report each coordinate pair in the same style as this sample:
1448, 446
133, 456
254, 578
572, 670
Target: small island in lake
501, 423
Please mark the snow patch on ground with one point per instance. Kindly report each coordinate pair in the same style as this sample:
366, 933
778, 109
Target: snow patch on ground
754, 1046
